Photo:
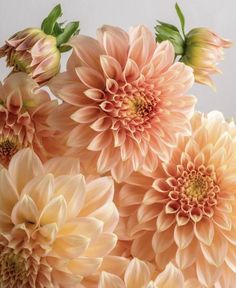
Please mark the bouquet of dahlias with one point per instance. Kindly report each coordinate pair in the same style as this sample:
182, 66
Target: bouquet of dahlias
119, 183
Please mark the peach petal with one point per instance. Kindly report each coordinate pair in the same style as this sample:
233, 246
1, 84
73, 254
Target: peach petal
170, 277
54, 212
164, 221
222, 220
70, 166
111, 67
161, 241
32, 167
90, 77
204, 231
85, 115
216, 253
108, 280
25, 211
183, 235
84, 265
142, 248
9, 199
137, 274
100, 142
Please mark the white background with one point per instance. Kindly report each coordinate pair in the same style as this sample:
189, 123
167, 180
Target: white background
220, 15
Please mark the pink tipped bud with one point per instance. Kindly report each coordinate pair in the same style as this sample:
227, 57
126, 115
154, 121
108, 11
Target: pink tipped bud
34, 52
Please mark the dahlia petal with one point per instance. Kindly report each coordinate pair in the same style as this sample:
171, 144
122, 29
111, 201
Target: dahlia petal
187, 256
85, 266
207, 274
32, 167
101, 141
122, 171
87, 50
101, 124
204, 231
86, 114
98, 192
90, 77
70, 166
231, 234
131, 71
222, 220
137, 274
164, 221
161, 241
9, 199
165, 257
142, 247
142, 47
49, 232
230, 258
119, 137
148, 212
111, 67
95, 94
108, 37
114, 264
72, 188
70, 246
170, 277
40, 190
54, 212
107, 158
215, 253
89, 227
129, 195
25, 210
6, 222
79, 136
152, 196
183, 235
103, 245
108, 280
65, 279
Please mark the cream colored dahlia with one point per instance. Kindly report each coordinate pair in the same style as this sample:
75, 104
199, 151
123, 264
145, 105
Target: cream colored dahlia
139, 275
188, 212
54, 228
129, 100
24, 110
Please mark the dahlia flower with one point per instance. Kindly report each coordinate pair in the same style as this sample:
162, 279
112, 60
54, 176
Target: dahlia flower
129, 100
24, 110
187, 213
54, 228
33, 52
139, 275
203, 51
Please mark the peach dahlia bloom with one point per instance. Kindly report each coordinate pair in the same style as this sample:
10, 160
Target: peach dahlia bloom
24, 110
139, 275
188, 212
129, 99
54, 228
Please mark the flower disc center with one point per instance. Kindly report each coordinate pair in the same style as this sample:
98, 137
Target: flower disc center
8, 147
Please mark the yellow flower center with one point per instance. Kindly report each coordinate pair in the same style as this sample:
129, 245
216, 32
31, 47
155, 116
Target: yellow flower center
196, 189
8, 147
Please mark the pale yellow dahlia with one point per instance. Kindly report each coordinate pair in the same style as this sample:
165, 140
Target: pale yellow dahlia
187, 213
139, 275
24, 110
128, 100
54, 228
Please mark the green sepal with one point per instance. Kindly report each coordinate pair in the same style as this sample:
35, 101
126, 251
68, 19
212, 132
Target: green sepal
70, 29
181, 17
168, 25
167, 32
49, 22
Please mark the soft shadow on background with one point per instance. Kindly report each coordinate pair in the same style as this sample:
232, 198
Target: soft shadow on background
219, 15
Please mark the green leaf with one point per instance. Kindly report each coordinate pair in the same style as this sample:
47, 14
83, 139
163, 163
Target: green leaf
64, 48
71, 29
181, 17
49, 22
168, 25
57, 29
